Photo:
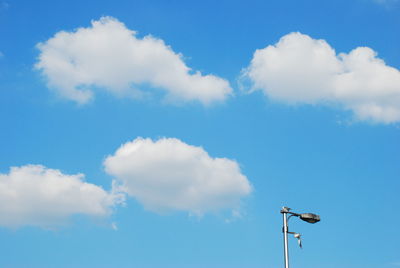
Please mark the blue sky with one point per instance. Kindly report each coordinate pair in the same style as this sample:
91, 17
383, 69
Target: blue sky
170, 133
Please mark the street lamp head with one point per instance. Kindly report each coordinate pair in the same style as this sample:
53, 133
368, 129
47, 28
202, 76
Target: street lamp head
310, 217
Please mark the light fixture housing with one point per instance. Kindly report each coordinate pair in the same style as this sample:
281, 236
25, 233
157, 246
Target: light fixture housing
310, 217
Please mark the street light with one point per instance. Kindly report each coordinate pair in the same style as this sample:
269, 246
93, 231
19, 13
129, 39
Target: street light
308, 217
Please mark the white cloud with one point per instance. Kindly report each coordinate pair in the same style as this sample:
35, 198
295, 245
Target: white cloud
37, 196
302, 70
108, 55
167, 175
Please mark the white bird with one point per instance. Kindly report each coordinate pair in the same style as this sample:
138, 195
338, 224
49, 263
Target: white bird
298, 236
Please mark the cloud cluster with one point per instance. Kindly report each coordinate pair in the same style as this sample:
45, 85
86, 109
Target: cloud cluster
37, 196
299, 69
169, 174
163, 175
109, 56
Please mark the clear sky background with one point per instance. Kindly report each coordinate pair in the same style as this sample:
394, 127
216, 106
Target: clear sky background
189, 142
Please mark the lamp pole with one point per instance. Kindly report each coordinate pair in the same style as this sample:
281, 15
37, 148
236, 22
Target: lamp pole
285, 236
308, 217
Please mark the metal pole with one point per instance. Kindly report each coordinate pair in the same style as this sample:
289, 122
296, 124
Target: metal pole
285, 237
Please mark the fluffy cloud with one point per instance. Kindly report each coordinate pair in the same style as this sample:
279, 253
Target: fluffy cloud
38, 196
299, 69
109, 56
168, 174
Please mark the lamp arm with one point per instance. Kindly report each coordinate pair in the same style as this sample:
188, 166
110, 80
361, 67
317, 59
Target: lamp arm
293, 214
